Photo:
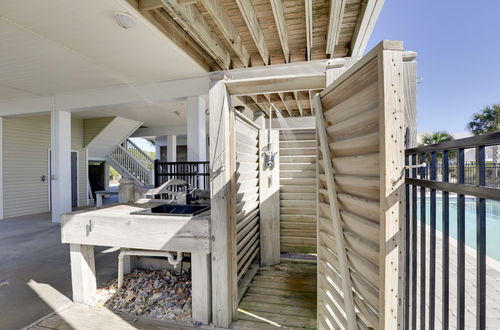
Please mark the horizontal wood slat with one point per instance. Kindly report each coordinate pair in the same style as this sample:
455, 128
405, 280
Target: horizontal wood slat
298, 190
247, 194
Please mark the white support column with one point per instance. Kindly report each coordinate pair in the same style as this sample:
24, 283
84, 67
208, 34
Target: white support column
1, 167
158, 141
171, 148
196, 129
61, 163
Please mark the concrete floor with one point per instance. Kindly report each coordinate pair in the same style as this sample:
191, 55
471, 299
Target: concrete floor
31, 250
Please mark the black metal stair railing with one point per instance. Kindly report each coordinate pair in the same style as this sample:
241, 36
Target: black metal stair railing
427, 175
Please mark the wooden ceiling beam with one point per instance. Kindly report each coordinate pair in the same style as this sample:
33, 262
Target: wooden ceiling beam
334, 25
248, 12
285, 103
311, 102
309, 28
370, 11
275, 84
279, 18
193, 21
299, 106
261, 102
249, 103
222, 20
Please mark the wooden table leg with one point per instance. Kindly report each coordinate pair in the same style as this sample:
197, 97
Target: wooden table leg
201, 287
82, 272
98, 200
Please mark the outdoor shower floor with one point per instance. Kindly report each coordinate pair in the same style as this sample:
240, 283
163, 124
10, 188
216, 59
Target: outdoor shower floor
283, 296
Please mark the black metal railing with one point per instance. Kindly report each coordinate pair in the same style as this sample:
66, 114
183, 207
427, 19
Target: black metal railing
197, 174
492, 172
424, 184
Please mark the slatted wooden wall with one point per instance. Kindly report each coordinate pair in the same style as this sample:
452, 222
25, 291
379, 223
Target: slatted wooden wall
247, 193
298, 191
364, 130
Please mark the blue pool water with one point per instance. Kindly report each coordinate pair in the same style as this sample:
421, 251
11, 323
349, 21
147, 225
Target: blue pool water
492, 222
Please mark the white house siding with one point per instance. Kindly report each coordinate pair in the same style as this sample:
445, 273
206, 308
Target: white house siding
26, 141
92, 127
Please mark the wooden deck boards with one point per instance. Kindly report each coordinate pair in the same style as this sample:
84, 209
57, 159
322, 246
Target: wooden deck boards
282, 295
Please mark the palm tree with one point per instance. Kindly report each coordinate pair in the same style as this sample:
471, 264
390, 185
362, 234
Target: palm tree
487, 121
435, 137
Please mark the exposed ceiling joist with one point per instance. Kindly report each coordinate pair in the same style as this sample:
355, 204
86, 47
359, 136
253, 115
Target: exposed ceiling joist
285, 103
221, 18
249, 103
192, 20
279, 18
299, 105
163, 22
248, 12
150, 4
309, 28
311, 102
334, 25
370, 12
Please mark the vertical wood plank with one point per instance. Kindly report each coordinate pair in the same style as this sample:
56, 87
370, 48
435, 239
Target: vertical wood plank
391, 121
335, 213
201, 287
220, 191
233, 262
410, 101
83, 278
269, 200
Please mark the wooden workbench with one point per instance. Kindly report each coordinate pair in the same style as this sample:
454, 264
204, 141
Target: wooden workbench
115, 226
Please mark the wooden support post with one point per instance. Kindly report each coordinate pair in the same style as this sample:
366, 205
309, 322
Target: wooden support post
201, 287
222, 172
126, 191
335, 213
392, 209
269, 199
410, 90
83, 278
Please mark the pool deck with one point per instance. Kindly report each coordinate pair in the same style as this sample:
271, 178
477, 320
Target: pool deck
492, 286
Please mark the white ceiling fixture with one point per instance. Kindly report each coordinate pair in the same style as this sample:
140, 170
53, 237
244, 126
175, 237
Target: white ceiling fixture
124, 20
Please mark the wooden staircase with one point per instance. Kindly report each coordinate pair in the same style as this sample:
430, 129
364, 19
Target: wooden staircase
298, 190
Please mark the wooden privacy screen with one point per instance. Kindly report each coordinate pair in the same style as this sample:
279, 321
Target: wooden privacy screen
246, 193
361, 130
298, 190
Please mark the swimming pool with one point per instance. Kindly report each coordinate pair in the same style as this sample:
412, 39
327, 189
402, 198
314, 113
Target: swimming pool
492, 222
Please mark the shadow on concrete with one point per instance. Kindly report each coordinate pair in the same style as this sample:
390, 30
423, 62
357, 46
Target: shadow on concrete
31, 250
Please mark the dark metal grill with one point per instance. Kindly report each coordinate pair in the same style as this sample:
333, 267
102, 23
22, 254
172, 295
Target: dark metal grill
470, 179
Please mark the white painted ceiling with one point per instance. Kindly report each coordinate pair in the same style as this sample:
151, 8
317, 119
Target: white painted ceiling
55, 46
153, 115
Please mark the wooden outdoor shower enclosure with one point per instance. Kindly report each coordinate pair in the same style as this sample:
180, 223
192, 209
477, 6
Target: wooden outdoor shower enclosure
361, 134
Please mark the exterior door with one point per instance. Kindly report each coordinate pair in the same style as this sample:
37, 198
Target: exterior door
360, 125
